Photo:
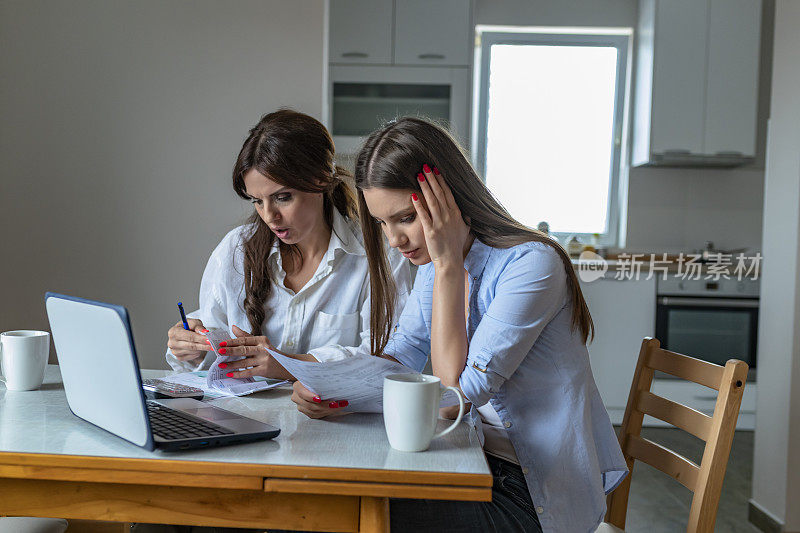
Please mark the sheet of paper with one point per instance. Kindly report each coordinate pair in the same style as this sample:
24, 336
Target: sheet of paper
359, 379
199, 379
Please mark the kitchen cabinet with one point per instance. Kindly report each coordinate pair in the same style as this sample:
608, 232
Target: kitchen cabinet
432, 32
623, 312
696, 84
401, 32
361, 31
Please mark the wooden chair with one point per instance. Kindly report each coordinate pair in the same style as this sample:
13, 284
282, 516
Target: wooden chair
705, 479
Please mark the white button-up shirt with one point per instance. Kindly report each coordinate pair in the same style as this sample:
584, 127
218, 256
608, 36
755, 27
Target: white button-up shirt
328, 318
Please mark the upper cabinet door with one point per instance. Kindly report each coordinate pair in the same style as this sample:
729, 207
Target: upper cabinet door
732, 91
361, 31
679, 76
432, 32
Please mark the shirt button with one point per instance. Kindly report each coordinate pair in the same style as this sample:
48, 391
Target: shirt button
507, 424
525, 470
539, 510
289, 343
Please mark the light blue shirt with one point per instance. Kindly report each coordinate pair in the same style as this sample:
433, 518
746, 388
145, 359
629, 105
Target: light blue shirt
525, 359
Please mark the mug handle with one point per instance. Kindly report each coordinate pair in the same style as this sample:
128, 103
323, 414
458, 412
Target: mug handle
460, 412
2, 379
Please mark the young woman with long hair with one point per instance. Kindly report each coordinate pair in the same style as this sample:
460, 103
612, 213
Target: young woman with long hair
498, 307
295, 275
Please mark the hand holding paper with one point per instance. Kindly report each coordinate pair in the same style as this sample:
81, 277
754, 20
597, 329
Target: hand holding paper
217, 378
359, 379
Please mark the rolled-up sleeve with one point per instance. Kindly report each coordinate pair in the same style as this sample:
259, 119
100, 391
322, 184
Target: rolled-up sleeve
530, 291
401, 272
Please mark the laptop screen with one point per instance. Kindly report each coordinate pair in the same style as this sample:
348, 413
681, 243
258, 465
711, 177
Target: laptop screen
98, 365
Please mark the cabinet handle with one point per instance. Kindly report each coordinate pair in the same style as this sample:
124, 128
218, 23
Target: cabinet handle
677, 151
355, 54
431, 56
730, 153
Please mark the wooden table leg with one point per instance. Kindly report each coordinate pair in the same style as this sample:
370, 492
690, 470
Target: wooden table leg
374, 515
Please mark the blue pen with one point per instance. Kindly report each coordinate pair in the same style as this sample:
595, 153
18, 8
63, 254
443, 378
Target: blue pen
183, 316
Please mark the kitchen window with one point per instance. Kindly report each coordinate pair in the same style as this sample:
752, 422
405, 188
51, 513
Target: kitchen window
549, 127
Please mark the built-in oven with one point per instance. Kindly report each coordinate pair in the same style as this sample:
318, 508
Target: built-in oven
711, 320
363, 97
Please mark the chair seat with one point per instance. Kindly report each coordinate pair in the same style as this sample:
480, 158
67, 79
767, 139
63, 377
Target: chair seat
605, 527
14, 524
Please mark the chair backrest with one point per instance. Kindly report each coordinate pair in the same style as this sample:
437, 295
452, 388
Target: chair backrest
705, 479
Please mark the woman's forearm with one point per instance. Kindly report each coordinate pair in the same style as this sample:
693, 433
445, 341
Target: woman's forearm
448, 324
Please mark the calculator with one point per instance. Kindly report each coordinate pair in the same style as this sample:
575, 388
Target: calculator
158, 388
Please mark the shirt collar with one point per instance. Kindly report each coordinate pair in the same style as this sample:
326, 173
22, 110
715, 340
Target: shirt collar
477, 258
343, 238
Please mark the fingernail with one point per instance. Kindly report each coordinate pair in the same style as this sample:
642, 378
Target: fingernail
222, 350
414, 197
436, 171
421, 177
426, 168
223, 365
223, 343
208, 341
229, 374
317, 399
205, 331
343, 403
333, 405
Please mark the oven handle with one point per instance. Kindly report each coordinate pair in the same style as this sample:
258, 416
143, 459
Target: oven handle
707, 302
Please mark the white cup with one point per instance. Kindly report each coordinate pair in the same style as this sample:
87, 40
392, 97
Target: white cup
24, 357
411, 409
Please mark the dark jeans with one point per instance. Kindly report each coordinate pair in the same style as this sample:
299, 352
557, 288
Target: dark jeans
510, 510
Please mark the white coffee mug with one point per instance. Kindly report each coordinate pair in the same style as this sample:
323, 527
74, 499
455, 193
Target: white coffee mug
24, 357
411, 409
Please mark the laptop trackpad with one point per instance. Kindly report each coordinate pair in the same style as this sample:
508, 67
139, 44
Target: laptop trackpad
210, 413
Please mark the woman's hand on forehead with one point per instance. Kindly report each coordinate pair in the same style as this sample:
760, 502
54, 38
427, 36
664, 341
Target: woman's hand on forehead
446, 233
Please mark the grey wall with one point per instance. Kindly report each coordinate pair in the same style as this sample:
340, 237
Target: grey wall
120, 124
668, 209
776, 464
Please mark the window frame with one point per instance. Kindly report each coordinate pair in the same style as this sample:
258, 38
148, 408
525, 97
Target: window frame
604, 37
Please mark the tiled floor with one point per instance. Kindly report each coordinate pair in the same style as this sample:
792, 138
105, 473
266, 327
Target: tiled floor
659, 504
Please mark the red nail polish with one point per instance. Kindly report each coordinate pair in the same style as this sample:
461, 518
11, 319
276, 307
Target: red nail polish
223, 343
317, 399
426, 169
343, 403
205, 331
229, 374
222, 351
223, 365
333, 405
414, 197
208, 342
436, 171
421, 177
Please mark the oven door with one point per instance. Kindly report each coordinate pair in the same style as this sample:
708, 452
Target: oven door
712, 329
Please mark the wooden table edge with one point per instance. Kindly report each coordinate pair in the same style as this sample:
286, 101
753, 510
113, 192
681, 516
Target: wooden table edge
137, 466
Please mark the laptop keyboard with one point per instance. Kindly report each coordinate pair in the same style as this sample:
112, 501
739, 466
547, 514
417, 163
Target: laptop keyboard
172, 424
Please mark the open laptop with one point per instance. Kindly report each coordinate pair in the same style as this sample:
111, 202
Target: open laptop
96, 354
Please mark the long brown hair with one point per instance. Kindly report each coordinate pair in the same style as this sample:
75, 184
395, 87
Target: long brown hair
294, 150
390, 159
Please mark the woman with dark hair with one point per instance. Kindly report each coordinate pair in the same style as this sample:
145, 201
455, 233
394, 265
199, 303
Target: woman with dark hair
498, 307
295, 275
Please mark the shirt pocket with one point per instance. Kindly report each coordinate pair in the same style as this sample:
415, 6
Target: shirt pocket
334, 329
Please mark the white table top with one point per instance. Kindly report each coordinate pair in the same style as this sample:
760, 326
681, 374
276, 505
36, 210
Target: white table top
41, 422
